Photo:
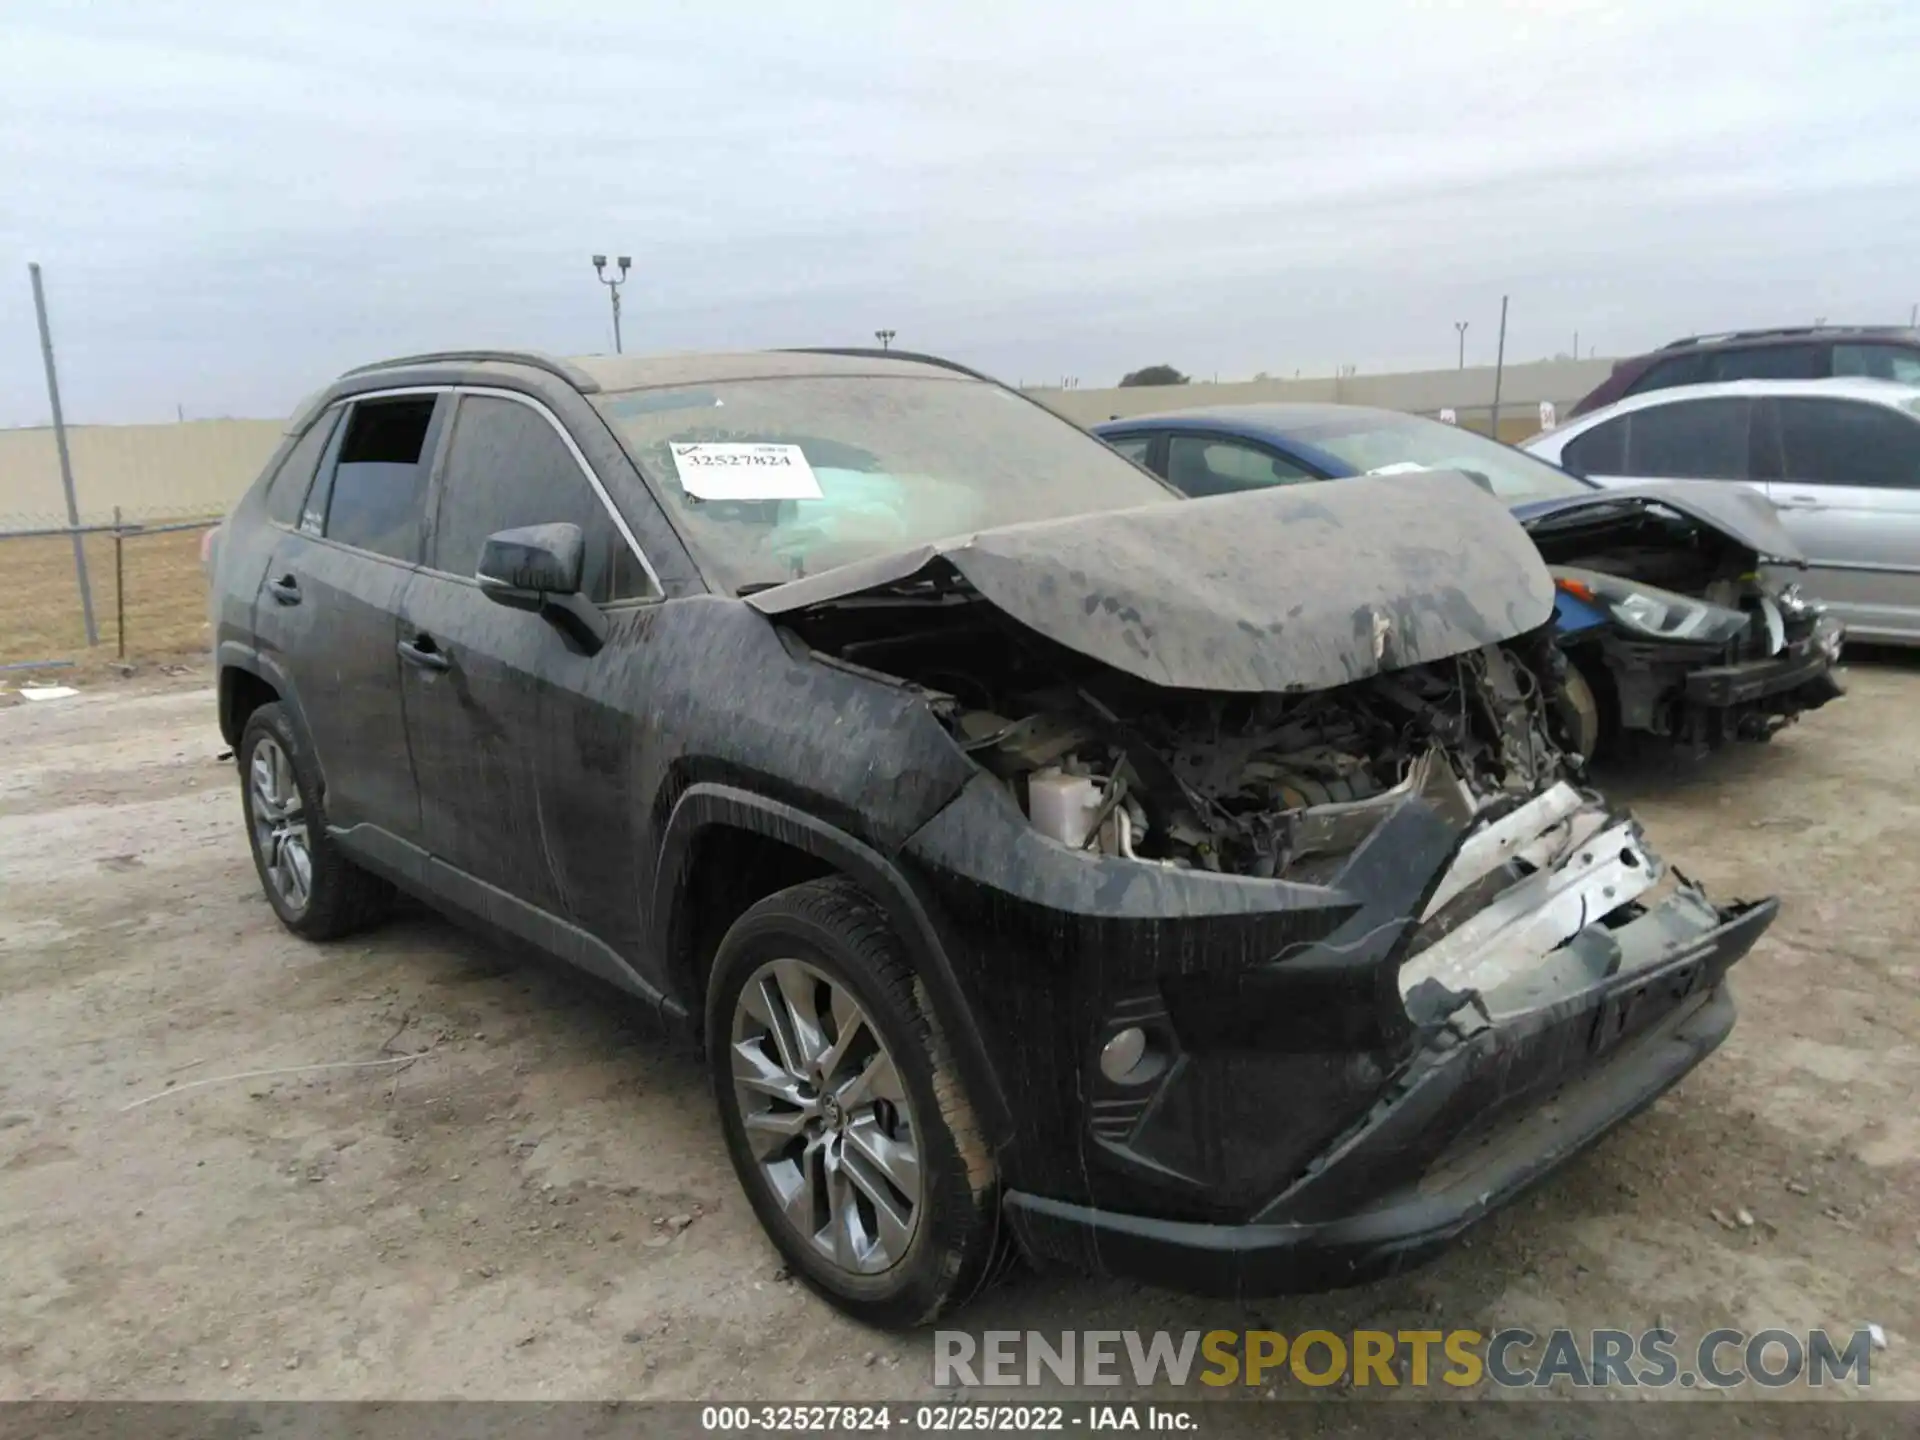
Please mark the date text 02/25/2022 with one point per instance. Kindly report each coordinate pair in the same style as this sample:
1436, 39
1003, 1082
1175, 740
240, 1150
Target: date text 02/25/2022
959, 1418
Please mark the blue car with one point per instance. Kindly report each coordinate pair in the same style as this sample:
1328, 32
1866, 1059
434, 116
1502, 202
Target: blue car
1673, 614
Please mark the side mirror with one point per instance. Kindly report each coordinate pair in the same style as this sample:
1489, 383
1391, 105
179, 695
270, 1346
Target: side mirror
537, 568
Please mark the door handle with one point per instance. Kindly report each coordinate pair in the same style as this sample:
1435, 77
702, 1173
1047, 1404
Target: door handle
286, 590
423, 652
1800, 502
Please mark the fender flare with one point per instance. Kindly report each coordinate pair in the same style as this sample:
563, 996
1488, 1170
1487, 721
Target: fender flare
233, 655
705, 805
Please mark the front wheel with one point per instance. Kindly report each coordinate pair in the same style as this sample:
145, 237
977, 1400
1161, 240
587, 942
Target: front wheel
844, 1116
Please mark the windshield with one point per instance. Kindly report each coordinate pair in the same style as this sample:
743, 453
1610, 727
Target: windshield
774, 479
1380, 443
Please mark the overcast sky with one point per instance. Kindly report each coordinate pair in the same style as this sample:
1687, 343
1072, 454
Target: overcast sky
233, 202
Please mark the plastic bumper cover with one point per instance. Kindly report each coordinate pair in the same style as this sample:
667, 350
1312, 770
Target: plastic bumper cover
1806, 665
1611, 1070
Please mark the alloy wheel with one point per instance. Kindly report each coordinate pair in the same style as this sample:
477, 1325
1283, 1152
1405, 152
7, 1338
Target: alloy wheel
826, 1116
280, 824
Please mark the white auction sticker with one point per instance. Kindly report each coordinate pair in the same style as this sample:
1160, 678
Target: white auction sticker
734, 471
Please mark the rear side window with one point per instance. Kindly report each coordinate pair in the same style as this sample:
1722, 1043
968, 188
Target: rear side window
1770, 362
1848, 442
1755, 362
1134, 447
378, 480
1878, 362
287, 491
508, 467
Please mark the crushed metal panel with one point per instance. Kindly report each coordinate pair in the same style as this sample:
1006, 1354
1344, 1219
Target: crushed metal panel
1594, 878
1303, 587
1740, 514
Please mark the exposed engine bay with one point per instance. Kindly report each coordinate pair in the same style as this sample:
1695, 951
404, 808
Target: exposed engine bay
1676, 552
1543, 894
1263, 785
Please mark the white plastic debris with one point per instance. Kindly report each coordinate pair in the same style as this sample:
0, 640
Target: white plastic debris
47, 692
1877, 1336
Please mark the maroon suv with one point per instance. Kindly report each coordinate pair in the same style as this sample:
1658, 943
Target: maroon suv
1811, 352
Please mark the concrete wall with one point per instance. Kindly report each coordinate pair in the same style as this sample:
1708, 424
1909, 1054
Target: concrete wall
1469, 391
151, 471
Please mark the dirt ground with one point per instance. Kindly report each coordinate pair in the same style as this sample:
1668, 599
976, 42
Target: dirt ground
491, 1219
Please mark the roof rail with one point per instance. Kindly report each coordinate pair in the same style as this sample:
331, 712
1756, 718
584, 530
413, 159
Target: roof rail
869, 353
533, 359
1782, 331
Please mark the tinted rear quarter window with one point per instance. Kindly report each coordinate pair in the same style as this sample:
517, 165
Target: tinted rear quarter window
378, 482
287, 491
1848, 442
1687, 369
508, 467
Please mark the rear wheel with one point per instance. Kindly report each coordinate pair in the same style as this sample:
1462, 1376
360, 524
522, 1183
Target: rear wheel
313, 887
843, 1114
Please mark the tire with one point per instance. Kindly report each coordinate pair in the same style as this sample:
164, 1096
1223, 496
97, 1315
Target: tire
315, 889
818, 1166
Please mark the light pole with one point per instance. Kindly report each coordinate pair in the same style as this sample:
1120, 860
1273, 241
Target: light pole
613, 284
885, 337
1460, 329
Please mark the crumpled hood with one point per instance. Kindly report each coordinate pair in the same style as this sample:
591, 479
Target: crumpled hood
1737, 512
1301, 587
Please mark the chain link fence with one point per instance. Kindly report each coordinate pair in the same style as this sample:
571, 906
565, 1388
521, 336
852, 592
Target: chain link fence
145, 587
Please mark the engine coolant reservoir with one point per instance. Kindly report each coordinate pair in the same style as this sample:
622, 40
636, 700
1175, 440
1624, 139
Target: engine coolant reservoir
1062, 806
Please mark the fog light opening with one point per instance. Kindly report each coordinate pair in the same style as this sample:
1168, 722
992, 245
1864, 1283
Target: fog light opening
1130, 1058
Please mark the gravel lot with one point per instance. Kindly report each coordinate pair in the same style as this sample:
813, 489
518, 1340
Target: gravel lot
540, 1205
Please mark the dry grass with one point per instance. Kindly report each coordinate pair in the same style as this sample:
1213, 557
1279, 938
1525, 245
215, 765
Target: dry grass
165, 597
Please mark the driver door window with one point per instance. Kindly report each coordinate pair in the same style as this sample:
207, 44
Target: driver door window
1200, 466
507, 467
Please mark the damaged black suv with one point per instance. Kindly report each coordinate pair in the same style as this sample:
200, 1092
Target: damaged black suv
1191, 890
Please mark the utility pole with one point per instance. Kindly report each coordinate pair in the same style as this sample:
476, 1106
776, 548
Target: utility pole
1499, 365
1460, 329
66, 461
885, 337
613, 284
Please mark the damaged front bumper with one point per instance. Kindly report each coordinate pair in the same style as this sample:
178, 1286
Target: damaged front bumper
1547, 978
1696, 694
1802, 670
1515, 1100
